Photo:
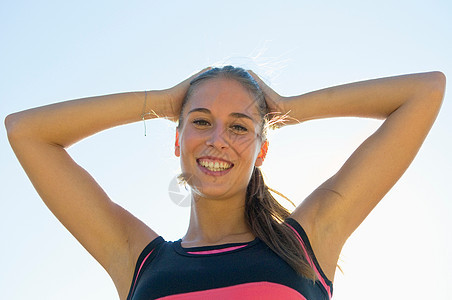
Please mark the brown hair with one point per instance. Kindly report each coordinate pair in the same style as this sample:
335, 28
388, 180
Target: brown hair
264, 214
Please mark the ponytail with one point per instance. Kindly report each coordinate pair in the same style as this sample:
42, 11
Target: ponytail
265, 217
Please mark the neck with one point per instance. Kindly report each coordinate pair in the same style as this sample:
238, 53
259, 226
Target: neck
214, 222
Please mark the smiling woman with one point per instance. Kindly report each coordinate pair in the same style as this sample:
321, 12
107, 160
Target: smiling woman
225, 126
240, 243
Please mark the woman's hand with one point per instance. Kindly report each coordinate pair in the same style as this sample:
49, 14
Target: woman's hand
174, 97
273, 99
275, 102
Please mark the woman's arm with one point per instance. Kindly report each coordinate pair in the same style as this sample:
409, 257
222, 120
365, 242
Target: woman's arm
409, 104
39, 137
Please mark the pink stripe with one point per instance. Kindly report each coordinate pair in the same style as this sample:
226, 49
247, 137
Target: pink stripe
327, 288
138, 273
246, 291
218, 250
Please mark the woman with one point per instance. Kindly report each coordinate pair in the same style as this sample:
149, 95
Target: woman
240, 242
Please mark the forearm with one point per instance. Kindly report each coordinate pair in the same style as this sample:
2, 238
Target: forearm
376, 98
67, 122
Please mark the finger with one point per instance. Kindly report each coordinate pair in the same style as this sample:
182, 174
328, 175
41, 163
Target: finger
200, 72
260, 82
255, 76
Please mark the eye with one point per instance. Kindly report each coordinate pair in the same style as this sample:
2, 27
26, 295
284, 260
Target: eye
238, 128
201, 123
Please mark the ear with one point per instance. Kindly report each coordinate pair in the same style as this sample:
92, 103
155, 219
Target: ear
176, 145
261, 157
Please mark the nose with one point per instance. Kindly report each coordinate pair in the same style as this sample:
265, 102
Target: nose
218, 138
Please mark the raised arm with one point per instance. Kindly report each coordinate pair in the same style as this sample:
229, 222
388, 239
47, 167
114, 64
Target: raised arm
409, 104
39, 137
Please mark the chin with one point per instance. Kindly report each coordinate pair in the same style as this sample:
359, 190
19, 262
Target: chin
213, 192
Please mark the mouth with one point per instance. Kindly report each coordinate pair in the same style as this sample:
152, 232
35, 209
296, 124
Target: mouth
214, 166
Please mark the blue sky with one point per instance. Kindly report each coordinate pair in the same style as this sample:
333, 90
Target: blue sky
53, 51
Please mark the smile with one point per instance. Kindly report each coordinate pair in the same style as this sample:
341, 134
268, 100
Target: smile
214, 165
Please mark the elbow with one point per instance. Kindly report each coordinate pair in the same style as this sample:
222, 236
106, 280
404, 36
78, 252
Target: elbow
430, 89
14, 126
437, 85
10, 122
439, 78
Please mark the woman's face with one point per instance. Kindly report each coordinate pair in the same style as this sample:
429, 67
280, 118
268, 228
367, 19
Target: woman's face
219, 139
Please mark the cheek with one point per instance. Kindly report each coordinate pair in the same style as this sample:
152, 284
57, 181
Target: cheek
191, 144
244, 146
190, 138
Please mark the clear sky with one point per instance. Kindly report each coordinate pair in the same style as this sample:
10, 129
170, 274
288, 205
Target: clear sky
59, 50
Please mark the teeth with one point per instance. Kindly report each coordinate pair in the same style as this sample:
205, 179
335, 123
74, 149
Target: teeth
214, 166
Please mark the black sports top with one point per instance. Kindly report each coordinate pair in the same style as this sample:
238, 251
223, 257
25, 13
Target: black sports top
166, 270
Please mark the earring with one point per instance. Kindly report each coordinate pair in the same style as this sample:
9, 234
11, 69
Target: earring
263, 151
176, 144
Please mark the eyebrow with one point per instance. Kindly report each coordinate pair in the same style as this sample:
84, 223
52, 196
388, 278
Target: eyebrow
234, 114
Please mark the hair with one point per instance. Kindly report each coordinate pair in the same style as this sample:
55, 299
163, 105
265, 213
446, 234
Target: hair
263, 213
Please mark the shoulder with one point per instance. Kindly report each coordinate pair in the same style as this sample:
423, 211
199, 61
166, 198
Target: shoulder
321, 230
139, 261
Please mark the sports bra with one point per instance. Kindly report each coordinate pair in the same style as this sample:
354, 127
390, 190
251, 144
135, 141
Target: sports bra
166, 270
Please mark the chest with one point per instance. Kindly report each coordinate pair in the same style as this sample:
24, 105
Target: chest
175, 272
